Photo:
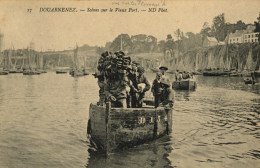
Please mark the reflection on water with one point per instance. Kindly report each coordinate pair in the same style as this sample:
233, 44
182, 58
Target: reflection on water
43, 124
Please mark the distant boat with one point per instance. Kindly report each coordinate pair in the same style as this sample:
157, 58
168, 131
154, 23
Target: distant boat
31, 72
185, 84
61, 72
76, 71
215, 73
3, 72
116, 128
31, 61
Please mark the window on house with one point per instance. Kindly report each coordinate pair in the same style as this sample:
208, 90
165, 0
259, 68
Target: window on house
245, 41
248, 36
252, 35
252, 40
257, 35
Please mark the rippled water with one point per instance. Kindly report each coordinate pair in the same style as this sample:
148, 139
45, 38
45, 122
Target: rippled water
43, 124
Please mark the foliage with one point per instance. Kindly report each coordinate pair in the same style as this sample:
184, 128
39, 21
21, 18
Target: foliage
124, 41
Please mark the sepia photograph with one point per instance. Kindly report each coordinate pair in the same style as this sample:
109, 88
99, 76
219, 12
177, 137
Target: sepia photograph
130, 84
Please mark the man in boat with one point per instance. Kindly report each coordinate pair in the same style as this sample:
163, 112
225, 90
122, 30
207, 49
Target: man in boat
176, 74
163, 69
100, 75
162, 92
132, 75
116, 82
143, 86
180, 76
157, 89
185, 75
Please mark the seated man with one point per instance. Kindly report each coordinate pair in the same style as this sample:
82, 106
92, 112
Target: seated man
180, 76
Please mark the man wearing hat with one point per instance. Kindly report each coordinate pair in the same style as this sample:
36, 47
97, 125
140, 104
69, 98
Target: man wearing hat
157, 89
163, 94
100, 75
163, 69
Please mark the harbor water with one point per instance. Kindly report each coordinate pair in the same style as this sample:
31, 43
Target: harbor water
43, 121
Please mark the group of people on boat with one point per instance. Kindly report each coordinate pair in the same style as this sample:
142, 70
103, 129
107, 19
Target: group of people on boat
179, 75
122, 82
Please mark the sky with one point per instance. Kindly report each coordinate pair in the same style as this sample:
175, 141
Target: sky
60, 31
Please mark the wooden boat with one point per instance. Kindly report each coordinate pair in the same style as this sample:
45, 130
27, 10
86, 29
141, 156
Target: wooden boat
31, 72
185, 84
215, 73
3, 72
77, 71
116, 128
15, 71
61, 72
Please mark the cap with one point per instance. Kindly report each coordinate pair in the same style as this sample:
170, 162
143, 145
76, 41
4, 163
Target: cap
163, 68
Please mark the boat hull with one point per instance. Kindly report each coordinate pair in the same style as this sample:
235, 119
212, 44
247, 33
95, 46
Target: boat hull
3, 73
31, 73
117, 128
61, 72
184, 85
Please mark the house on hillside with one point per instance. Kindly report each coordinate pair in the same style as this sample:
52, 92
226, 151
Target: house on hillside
210, 41
236, 37
251, 37
244, 36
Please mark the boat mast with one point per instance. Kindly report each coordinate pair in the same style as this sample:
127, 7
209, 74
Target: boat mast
76, 57
121, 46
15, 56
59, 61
29, 58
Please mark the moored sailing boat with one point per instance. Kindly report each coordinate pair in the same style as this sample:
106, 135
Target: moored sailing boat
76, 71
31, 59
59, 70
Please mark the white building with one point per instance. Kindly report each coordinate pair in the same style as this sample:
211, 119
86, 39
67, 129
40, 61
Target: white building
244, 36
210, 41
251, 37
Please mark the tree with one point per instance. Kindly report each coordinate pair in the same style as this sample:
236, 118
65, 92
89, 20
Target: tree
162, 46
169, 45
151, 43
139, 43
206, 30
122, 40
179, 34
218, 28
